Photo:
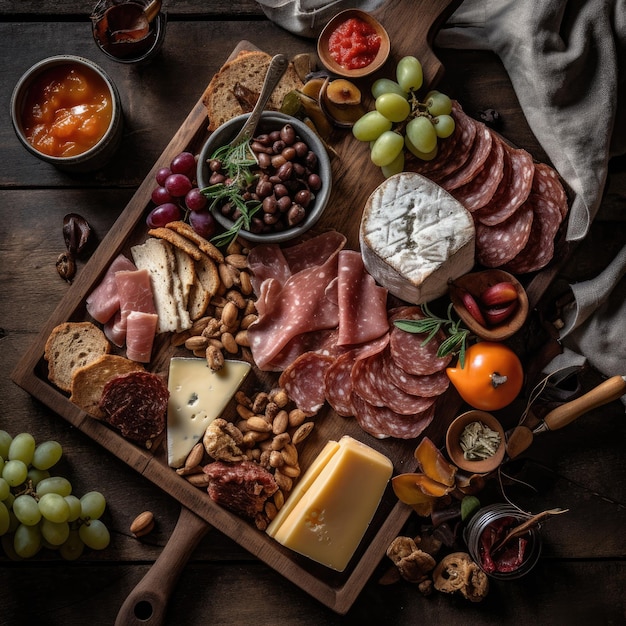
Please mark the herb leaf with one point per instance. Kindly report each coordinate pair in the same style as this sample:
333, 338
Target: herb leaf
454, 343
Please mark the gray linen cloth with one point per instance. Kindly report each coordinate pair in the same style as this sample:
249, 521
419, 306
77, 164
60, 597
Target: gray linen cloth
567, 63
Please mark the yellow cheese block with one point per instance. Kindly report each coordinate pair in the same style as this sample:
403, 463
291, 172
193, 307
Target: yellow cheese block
327, 514
197, 396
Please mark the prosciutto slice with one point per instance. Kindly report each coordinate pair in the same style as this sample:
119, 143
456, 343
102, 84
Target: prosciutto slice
103, 302
140, 330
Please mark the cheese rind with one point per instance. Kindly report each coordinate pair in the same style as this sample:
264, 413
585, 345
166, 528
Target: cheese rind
198, 395
329, 511
415, 237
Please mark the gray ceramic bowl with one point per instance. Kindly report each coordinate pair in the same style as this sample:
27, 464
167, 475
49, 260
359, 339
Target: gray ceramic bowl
93, 158
271, 121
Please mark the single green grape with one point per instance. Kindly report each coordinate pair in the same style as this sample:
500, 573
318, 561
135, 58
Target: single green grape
371, 126
27, 541
5, 519
386, 148
15, 472
393, 106
75, 509
26, 510
92, 505
421, 132
54, 507
438, 103
386, 85
95, 535
55, 533
395, 167
444, 126
36, 475
73, 548
425, 156
5, 490
47, 454
5, 444
54, 484
409, 73
22, 448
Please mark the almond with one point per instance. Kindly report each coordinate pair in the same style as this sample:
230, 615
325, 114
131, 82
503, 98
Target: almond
142, 524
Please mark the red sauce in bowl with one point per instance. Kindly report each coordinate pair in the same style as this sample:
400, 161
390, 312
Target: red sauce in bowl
67, 110
354, 44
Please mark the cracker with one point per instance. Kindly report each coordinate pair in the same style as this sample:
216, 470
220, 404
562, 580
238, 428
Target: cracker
184, 229
171, 236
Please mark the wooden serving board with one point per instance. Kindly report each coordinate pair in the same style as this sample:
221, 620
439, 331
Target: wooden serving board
411, 25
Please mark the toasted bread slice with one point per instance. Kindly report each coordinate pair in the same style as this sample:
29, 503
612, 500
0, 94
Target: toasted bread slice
72, 345
184, 229
247, 70
88, 382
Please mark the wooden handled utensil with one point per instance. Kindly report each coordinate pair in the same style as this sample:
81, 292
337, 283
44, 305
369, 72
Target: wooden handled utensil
522, 436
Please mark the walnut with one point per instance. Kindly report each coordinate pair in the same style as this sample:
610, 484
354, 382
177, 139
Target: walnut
457, 572
222, 440
412, 563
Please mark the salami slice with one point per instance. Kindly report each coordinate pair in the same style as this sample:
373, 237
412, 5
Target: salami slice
136, 405
539, 249
476, 193
408, 349
338, 377
370, 382
382, 422
429, 386
303, 381
481, 149
499, 244
468, 129
546, 183
513, 189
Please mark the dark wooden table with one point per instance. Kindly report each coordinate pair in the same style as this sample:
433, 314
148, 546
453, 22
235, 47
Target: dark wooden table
581, 577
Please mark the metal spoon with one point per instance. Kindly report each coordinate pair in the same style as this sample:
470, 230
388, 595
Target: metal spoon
275, 71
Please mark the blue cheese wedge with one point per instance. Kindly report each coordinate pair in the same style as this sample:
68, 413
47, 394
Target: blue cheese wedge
415, 237
198, 395
327, 514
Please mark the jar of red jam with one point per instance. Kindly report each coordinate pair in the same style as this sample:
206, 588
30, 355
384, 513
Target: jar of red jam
487, 528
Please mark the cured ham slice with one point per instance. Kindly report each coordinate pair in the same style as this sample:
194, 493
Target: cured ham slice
140, 330
115, 329
103, 302
362, 303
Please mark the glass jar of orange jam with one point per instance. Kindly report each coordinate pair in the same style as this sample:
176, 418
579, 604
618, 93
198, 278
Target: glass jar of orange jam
67, 110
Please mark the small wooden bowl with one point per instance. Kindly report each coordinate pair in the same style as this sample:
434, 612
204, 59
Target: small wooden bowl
475, 283
323, 47
453, 445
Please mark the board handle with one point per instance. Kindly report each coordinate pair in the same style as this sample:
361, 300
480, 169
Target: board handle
147, 602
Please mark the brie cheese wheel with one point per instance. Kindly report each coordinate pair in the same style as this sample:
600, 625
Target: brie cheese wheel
198, 395
415, 237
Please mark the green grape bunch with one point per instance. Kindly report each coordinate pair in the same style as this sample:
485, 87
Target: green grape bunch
38, 509
401, 121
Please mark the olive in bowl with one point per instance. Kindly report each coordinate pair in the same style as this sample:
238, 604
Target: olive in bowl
286, 187
67, 112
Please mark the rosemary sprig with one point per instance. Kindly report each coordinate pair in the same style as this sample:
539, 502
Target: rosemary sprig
237, 161
454, 343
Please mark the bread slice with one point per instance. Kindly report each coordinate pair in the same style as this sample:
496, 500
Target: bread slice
156, 256
247, 70
88, 382
72, 345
